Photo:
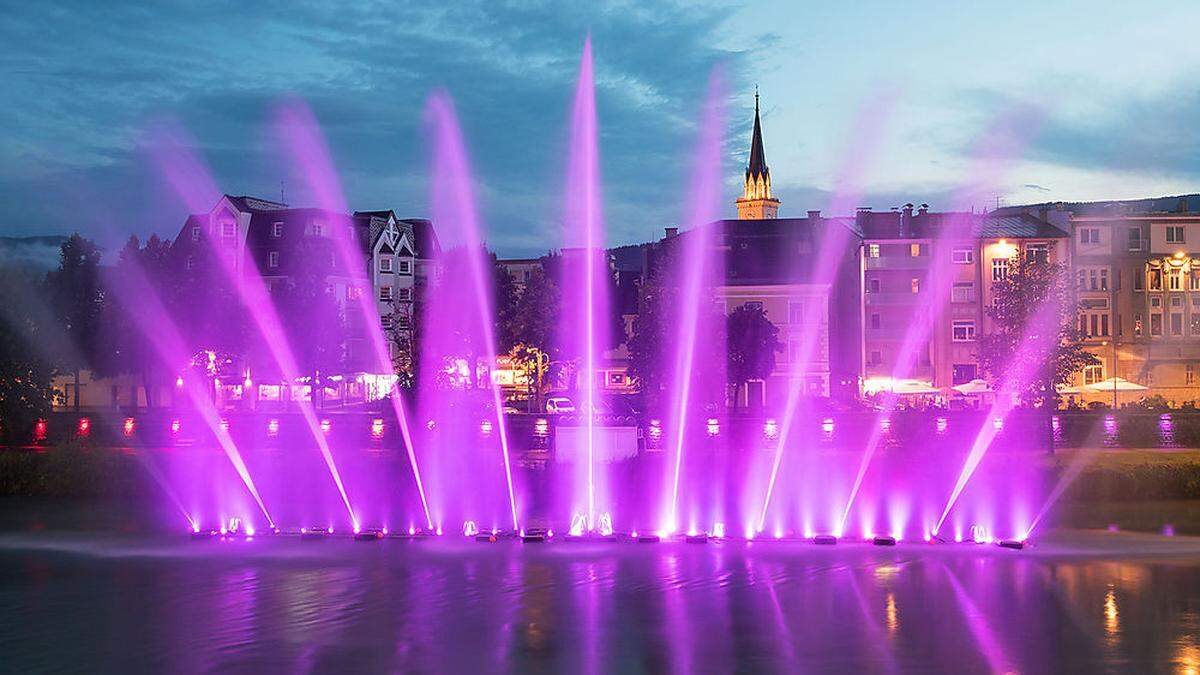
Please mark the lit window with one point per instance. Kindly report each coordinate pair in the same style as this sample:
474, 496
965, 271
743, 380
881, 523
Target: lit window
1093, 374
1138, 325
385, 263
872, 250
999, 269
914, 250
1156, 280
1175, 234
754, 305
1175, 280
353, 292
616, 378
277, 230
385, 293
963, 331
273, 259
1038, 252
916, 285
962, 256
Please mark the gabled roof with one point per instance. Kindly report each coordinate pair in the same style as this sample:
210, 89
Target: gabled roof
249, 204
1017, 226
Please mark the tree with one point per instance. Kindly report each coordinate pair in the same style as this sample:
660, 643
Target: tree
752, 342
78, 300
130, 351
26, 376
1033, 286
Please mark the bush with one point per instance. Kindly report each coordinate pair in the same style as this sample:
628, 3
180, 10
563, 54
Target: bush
71, 471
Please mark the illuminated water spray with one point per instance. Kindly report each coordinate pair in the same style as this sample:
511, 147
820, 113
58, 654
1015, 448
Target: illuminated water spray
584, 231
299, 128
454, 209
693, 264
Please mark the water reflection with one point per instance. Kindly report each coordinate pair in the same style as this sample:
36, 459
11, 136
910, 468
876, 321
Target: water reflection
588, 608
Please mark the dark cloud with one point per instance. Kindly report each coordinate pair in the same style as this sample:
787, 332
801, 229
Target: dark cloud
88, 78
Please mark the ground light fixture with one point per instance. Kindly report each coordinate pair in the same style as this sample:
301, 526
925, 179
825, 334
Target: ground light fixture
883, 540
824, 540
370, 534
314, 533
697, 538
647, 538
1015, 544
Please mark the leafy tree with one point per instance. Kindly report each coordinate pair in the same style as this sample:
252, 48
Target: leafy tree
78, 299
752, 342
537, 312
26, 376
130, 350
1033, 286
505, 309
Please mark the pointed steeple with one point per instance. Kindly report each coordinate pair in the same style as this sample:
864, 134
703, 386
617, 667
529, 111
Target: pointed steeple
756, 202
758, 158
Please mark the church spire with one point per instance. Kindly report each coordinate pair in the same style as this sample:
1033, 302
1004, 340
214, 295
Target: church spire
756, 202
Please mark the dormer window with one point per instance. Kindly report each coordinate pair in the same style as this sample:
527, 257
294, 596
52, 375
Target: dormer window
195, 234
277, 230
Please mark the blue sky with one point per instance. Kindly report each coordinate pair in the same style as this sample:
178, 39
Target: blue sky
1099, 100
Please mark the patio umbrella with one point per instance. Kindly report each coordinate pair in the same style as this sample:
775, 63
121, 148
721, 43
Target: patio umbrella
974, 387
1115, 384
905, 387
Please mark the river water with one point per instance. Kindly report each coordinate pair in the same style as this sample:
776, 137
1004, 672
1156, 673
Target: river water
137, 601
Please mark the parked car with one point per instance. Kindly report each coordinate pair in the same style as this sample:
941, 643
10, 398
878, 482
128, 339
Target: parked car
559, 404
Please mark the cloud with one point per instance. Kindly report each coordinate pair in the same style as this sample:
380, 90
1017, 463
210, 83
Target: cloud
82, 101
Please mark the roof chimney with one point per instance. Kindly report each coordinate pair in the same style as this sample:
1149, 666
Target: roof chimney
924, 209
672, 231
813, 215
906, 221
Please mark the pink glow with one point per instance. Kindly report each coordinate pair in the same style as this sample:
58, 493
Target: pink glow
302, 138
128, 426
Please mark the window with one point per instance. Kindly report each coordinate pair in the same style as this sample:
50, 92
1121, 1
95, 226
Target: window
1195, 282
1189, 374
277, 230
1093, 374
353, 292
915, 250
1176, 323
916, 285
1175, 280
195, 234
963, 331
1093, 324
875, 321
1156, 324
404, 294
1038, 252
963, 291
318, 228
795, 312
1092, 279
875, 358
872, 250
1175, 234
385, 293
963, 373
228, 230
1139, 281
999, 269
873, 286
1089, 235
386, 321
405, 267
402, 321
1156, 280
1135, 238
385, 263
962, 256
189, 263
754, 305
1138, 325
273, 259
616, 378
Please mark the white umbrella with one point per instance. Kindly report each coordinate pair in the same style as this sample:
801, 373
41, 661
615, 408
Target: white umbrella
1115, 384
974, 387
904, 387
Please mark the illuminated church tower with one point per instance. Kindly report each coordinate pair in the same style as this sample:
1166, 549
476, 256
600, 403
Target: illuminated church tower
756, 201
